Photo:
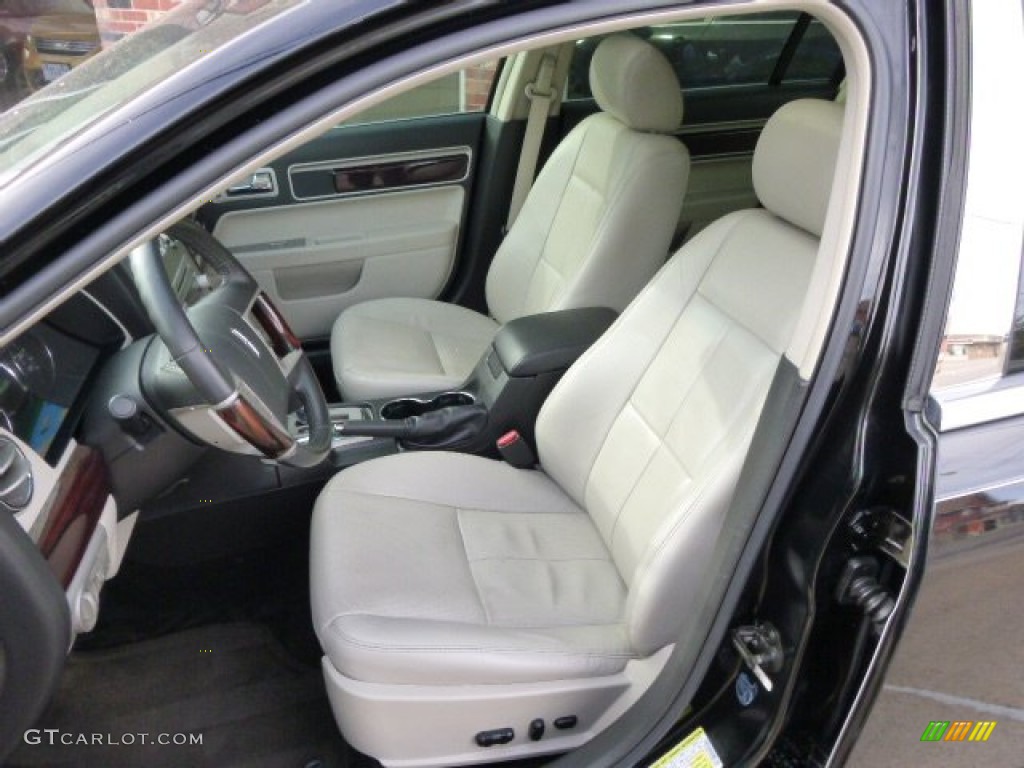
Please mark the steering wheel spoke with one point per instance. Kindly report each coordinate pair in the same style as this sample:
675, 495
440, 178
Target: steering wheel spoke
259, 430
282, 339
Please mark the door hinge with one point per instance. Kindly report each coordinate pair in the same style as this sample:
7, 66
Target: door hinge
885, 529
760, 647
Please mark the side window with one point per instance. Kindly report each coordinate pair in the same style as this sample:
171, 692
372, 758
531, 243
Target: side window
982, 341
816, 56
1015, 359
468, 90
724, 51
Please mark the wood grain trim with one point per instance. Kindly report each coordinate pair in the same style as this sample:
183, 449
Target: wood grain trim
73, 511
247, 422
282, 339
375, 177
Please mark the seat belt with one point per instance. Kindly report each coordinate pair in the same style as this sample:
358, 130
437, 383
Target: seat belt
540, 94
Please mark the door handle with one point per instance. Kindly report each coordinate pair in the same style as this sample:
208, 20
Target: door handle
262, 183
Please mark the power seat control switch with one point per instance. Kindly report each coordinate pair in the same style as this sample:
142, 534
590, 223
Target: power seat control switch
495, 737
760, 647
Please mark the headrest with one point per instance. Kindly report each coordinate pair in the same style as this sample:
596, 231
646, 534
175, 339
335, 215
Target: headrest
795, 160
634, 82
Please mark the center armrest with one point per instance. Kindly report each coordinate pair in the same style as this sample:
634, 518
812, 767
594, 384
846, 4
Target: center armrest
551, 341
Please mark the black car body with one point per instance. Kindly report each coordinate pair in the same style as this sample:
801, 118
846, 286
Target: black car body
864, 490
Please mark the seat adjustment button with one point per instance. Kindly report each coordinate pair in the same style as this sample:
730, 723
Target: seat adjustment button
565, 723
536, 732
495, 737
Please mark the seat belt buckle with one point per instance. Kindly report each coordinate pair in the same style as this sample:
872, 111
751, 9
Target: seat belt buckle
514, 450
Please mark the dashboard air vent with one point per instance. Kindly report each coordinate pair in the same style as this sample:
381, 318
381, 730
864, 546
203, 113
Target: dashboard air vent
15, 477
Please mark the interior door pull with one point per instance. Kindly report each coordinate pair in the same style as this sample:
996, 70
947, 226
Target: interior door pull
262, 182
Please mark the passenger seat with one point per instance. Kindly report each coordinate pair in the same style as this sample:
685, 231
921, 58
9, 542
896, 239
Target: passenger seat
595, 227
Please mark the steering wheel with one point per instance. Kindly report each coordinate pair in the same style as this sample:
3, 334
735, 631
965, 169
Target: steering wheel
229, 370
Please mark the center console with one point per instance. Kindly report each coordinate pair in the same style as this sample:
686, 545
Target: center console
505, 391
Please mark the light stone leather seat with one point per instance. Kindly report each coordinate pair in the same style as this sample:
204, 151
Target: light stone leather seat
596, 225
454, 594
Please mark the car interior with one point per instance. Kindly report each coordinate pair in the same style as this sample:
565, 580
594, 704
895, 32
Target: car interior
416, 444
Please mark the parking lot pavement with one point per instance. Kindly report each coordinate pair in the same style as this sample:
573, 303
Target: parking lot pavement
951, 614
960, 370
893, 737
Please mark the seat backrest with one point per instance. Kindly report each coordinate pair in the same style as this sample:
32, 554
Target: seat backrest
599, 220
649, 430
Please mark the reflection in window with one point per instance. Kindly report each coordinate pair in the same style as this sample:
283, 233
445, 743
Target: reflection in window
976, 346
1015, 360
468, 90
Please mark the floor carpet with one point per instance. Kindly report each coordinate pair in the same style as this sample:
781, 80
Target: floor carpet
234, 685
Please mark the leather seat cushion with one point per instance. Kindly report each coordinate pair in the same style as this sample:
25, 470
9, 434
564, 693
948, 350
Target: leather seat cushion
404, 346
441, 568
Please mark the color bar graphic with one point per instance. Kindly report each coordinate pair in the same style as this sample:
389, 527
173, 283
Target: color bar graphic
958, 730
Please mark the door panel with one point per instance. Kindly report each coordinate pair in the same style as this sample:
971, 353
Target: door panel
363, 212
315, 259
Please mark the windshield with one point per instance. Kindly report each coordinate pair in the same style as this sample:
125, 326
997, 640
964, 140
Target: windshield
121, 72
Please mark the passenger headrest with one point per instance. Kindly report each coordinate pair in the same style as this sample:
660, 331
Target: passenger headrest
634, 82
795, 160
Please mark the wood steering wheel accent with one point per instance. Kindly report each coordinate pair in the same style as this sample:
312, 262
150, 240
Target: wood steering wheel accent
282, 339
252, 427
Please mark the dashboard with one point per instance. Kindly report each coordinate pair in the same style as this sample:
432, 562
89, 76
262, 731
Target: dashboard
56, 486
42, 375
72, 474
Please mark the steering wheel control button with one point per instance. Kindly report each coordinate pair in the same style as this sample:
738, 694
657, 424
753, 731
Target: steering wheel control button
565, 723
495, 737
536, 730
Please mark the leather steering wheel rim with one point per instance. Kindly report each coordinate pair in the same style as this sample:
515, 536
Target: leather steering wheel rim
223, 391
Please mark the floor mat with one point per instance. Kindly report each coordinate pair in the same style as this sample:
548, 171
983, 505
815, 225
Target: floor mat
231, 686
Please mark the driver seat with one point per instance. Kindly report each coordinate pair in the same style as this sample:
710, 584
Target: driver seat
462, 603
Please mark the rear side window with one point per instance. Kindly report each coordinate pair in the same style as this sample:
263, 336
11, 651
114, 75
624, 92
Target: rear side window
816, 55
760, 48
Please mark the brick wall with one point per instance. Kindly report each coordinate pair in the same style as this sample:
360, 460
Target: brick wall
477, 84
117, 18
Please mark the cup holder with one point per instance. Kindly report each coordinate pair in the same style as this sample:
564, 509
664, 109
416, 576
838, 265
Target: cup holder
405, 407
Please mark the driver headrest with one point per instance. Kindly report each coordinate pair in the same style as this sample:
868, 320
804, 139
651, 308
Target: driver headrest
795, 160
634, 82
